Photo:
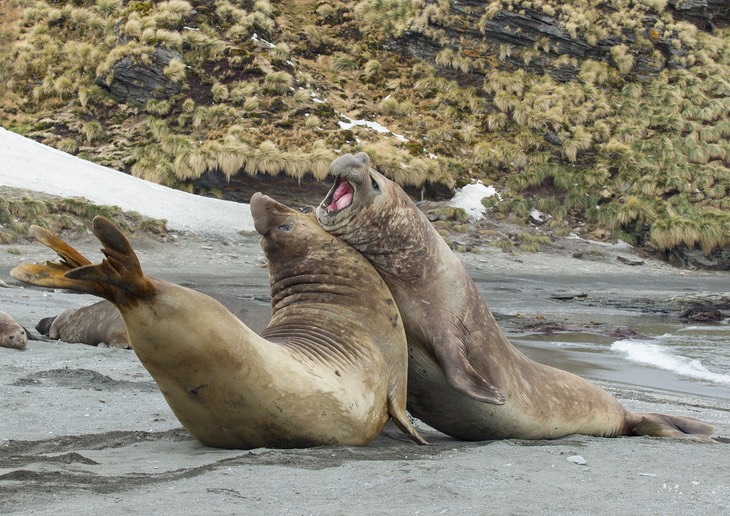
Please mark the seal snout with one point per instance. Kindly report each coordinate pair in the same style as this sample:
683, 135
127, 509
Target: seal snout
268, 213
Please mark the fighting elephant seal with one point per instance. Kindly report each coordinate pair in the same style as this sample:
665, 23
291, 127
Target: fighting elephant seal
94, 324
12, 334
330, 368
452, 335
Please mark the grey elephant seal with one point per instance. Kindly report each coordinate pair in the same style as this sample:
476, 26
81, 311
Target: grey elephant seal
329, 369
12, 334
452, 336
98, 323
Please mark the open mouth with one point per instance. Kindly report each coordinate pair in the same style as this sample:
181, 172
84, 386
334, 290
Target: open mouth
341, 197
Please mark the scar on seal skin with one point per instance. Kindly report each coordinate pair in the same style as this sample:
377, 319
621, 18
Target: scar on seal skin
328, 369
464, 377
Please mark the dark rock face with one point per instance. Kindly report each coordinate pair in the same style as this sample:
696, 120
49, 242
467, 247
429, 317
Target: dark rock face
719, 260
136, 83
706, 14
703, 307
469, 35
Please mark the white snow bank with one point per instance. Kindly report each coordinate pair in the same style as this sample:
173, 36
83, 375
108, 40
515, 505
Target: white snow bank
470, 198
27, 164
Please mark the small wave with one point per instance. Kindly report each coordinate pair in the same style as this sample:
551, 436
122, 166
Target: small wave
722, 327
659, 356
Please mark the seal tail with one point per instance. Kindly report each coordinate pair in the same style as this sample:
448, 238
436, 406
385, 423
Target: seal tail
118, 277
663, 425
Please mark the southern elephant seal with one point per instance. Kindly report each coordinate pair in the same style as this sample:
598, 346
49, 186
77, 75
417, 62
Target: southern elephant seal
331, 370
98, 323
12, 334
452, 335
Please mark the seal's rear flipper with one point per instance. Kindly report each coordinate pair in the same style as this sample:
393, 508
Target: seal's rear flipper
463, 377
53, 275
70, 257
663, 425
114, 278
120, 272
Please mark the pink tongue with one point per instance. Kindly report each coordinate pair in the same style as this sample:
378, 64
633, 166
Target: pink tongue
342, 197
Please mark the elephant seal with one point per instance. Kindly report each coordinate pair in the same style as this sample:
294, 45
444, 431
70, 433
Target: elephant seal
93, 324
12, 334
460, 362
329, 369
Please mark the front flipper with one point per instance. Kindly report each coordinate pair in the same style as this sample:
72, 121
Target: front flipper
463, 377
397, 409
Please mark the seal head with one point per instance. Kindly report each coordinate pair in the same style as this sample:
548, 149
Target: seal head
12, 334
364, 209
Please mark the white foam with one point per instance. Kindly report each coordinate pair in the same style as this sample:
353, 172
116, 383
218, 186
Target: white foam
662, 357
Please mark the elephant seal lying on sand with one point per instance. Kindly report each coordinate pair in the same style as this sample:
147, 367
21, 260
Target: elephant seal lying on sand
329, 369
93, 324
12, 334
460, 361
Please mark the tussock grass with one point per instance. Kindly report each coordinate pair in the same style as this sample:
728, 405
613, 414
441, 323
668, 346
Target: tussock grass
18, 212
605, 146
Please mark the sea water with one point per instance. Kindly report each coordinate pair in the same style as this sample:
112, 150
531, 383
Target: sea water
688, 359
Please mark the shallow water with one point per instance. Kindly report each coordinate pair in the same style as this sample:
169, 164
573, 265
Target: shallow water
689, 359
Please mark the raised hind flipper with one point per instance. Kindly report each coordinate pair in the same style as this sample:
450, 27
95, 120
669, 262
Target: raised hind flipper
69, 256
663, 425
119, 272
120, 269
53, 275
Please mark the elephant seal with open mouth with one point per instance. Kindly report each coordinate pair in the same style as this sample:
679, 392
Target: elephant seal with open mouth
464, 377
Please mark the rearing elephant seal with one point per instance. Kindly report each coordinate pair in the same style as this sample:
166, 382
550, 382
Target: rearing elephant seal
457, 351
12, 334
330, 370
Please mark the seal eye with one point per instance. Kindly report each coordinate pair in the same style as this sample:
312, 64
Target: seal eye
375, 184
285, 227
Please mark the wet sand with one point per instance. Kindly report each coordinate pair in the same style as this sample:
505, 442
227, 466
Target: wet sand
85, 430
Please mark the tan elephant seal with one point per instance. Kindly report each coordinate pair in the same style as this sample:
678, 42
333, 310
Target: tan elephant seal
331, 368
452, 336
95, 324
12, 334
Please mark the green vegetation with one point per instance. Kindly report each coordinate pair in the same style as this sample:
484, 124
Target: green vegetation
60, 215
631, 140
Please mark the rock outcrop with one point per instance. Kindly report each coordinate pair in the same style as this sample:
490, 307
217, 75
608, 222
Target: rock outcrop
471, 34
135, 83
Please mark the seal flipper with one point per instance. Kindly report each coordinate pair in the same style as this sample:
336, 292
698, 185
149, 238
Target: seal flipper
120, 272
664, 425
397, 411
51, 274
463, 377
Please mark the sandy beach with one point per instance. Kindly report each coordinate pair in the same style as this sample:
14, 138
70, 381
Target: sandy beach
85, 430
